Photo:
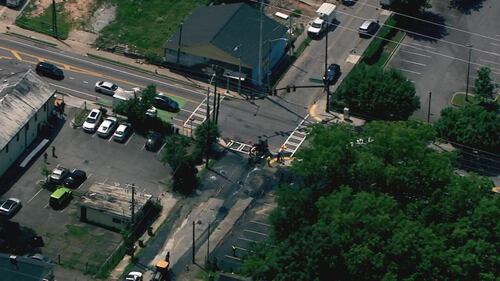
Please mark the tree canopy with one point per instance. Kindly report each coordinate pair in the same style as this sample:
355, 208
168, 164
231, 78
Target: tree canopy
410, 6
483, 85
380, 204
471, 125
378, 94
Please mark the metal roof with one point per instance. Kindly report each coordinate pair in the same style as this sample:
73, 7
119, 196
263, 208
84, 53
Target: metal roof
21, 95
214, 32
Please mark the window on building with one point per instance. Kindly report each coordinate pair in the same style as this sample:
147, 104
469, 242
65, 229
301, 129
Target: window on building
45, 107
17, 136
28, 125
36, 116
7, 148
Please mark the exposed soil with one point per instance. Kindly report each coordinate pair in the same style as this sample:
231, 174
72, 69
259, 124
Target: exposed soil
102, 17
76, 9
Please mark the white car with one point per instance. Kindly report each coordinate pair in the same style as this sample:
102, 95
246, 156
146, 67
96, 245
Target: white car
107, 88
122, 132
92, 121
107, 127
134, 276
59, 174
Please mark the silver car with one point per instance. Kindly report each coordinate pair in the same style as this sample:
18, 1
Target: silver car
10, 206
107, 127
107, 88
122, 132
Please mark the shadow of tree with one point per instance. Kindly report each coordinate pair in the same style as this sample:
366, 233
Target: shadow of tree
17, 239
466, 6
426, 26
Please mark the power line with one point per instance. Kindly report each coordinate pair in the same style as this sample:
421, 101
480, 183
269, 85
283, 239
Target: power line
434, 23
402, 44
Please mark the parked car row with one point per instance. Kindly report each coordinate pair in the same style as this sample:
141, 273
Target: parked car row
106, 127
65, 180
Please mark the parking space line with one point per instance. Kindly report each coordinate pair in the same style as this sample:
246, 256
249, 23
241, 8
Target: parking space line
417, 54
129, 138
85, 82
256, 232
231, 257
414, 72
35, 195
495, 44
249, 240
71, 78
423, 46
143, 146
243, 249
161, 148
261, 223
417, 63
110, 138
45, 207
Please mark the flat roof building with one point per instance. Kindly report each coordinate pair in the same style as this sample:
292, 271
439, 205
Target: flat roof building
111, 206
20, 268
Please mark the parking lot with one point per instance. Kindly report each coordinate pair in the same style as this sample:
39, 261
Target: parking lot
436, 58
253, 228
104, 161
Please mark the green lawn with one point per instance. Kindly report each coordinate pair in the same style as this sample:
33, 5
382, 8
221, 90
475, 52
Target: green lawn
43, 22
146, 25
458, 99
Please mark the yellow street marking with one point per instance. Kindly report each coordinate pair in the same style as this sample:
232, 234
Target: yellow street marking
16, 54
7, 58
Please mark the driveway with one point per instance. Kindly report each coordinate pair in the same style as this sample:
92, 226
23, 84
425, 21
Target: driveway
435, 57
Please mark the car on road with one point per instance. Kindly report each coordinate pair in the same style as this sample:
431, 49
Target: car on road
60, 197
368, 28
49, 70
107, 127
10, 206
332, 73
163, 102
58, 175
122, 132
107, 88
75, 178
133, 276
153, 141
92, 122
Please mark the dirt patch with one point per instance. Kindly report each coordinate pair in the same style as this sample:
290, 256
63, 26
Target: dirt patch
76, 9
102, 17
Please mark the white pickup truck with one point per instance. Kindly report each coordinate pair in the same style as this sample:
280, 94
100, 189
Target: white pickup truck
326, 15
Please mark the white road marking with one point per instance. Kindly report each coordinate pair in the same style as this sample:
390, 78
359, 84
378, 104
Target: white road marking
35, 195
158, 153
417, 63
60, 54
76, 91
110, 138
71, 78
256, 232
45, 207
417, 54
143, 146
488, 61
85, 82
495, 44
420, 45
261, 223
129, 138
414, 72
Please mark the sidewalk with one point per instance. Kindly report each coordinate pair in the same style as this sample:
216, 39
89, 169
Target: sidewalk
317, 112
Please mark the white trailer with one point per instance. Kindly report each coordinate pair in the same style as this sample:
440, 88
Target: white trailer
325, 16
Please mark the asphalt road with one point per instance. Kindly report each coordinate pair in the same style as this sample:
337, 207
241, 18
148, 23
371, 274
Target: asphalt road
436, 59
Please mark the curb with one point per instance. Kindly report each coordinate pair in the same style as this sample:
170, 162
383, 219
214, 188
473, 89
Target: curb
133, 67
394, 51
30, 38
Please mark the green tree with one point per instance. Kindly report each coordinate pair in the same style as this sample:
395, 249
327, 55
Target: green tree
184, 178
483, 85
379, 94
205, 136
176, 155
470, 125
135, 109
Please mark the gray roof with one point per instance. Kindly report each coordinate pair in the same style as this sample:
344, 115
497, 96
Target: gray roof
112, 199
21, 95
214, 32
24, 269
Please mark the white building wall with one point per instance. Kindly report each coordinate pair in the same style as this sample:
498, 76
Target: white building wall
14, 149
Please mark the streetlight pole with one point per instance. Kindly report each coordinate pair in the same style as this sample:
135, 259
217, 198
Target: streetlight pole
429, 108
468, 74
237, 49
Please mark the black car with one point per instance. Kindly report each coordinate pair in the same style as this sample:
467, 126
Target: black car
332, 73
75, 179
153, 141
348, 2
368, 28
49, 70
165, 103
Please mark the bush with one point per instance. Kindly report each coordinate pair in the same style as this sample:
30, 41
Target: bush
154, 58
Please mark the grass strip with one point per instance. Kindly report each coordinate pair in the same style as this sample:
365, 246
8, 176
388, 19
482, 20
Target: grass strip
31, 39
43, 22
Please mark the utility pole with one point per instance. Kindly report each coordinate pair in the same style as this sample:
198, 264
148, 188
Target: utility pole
290, 35
218, 107
325, 77
193, 259
429, 108
326, 51
214, 107
208, 103
468, 73
327, 90
54, 19
179, 46
133, 206
260, 43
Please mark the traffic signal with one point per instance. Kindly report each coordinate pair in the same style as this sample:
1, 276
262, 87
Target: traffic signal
288, 89
294, 88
